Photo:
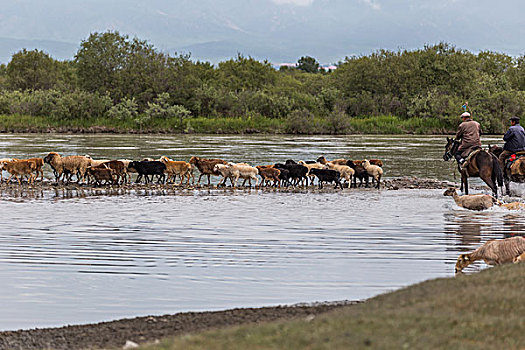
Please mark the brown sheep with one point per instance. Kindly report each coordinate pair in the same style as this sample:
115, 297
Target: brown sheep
68, 166
102, 174
39, 163
206, 166
494, 252
339, 161
269, 174
119, 168
20, 168
471, 201
377, 162
2, 163
174, 168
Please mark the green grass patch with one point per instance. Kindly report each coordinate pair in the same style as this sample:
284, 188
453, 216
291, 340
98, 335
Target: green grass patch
229, 125
479, 311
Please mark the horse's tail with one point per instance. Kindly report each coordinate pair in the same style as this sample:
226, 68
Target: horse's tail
497, 170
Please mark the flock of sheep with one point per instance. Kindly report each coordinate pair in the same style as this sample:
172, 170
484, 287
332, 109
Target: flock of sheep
103, 172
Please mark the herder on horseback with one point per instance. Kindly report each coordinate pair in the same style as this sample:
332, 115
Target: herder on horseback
469, 132
473, 161
514, 141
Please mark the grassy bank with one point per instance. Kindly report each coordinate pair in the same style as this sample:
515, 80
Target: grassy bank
364, 125
480, 311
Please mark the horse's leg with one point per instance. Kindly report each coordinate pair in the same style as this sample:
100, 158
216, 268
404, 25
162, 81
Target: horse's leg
506, 180
487, 177
464, 182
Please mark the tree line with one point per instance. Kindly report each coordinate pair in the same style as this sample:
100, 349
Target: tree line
115, 77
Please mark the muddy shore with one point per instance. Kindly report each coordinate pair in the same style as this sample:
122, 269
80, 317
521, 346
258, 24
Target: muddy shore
388, 184
139, 330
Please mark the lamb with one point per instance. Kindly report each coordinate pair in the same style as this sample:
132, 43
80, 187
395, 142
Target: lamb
345, 172
20, 168
174, 168
471, 201
118, 167
373, 170
268, 174
494, 252
102, 173
359, 173
206, 167
327, 175
69, 165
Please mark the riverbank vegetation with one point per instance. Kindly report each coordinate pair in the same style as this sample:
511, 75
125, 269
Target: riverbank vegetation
120, 84
483, 310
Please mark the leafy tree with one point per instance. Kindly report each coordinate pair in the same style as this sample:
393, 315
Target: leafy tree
308, 64
245, 74
124, 67
31, 70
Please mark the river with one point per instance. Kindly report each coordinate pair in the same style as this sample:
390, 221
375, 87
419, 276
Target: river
79, 256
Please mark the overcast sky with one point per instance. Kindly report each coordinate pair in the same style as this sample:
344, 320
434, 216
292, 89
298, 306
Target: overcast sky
277, 30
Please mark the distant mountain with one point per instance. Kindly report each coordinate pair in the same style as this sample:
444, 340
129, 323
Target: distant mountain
57, 49
277, 30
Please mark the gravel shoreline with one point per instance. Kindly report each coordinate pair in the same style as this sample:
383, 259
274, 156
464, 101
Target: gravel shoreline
115, 334
388, 184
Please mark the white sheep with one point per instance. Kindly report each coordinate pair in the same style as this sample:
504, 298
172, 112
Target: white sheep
373, 170
234, 171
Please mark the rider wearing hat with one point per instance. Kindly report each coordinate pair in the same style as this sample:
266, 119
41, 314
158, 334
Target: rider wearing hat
469, 132
514, 140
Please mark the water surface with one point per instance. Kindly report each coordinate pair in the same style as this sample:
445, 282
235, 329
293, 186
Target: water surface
78, 256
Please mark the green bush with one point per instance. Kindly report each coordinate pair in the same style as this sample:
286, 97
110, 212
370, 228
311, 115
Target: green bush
81, 105
301, 122
126, 109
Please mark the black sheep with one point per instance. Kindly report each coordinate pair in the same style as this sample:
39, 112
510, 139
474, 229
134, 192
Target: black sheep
360, 173
145, 168
327, 175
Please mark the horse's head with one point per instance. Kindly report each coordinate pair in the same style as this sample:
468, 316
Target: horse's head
450, 149
496, 150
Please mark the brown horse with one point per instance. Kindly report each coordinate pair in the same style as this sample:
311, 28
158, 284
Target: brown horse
516, 172
483, 164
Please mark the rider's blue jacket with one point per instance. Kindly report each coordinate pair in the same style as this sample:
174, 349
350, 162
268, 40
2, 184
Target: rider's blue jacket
514, 139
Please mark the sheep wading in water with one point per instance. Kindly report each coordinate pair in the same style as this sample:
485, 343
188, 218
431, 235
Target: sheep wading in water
471, 201
495, 252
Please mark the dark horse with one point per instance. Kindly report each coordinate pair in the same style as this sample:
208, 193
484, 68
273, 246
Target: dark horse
483, 164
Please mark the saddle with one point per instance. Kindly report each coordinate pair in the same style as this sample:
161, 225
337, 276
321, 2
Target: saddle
473, 152
513, 158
